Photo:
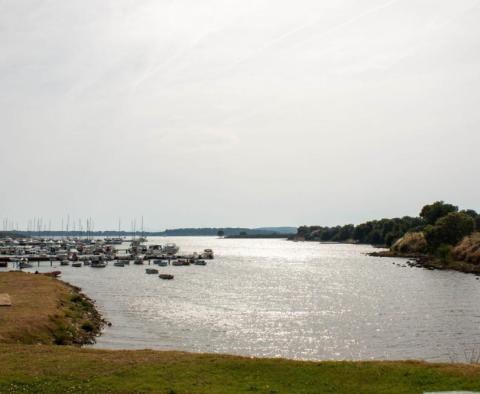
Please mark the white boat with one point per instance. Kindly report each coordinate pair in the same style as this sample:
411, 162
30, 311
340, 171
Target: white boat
24, 264
207, 254
170, 249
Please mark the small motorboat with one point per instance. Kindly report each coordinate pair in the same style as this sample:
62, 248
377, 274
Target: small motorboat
98, 264
119, 264
151, 271
76, 264
160, 263
64, 262
177, 263
166, 276
24, 264
208, 254
200, 262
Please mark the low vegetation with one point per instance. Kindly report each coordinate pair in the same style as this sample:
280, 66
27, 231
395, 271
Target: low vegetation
468, 249
411, 243
45, 310
49, 369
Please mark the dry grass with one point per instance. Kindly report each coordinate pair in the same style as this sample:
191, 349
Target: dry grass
468, 249
44, 310
411, 243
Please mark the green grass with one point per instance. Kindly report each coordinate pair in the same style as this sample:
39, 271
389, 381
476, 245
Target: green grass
59, 369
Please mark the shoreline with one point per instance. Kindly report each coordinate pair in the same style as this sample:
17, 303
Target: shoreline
430, 262
59, 367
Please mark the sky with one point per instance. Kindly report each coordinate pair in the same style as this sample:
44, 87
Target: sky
237, 112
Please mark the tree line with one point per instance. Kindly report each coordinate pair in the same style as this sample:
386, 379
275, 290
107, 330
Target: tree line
442, 223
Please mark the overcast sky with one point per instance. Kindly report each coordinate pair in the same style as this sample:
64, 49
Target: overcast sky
237, 112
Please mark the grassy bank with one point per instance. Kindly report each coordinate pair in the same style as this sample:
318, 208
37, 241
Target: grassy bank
59, 369
45, 310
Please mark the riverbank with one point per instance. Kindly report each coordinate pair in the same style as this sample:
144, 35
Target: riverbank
45, 310
60, 369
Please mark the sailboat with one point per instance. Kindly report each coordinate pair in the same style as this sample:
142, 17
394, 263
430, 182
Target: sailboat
142, 238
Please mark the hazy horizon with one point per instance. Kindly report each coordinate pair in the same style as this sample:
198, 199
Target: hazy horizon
237, 113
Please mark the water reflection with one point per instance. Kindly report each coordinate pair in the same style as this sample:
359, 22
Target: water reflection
297, 300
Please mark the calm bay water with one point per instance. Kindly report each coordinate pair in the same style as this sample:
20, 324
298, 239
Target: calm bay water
277, 298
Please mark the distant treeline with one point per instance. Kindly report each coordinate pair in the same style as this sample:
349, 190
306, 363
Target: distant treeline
207, 231
387, 231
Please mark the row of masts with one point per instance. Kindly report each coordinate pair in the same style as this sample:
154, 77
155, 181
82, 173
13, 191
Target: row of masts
83, 226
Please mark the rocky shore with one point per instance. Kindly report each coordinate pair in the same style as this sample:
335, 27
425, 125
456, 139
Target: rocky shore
430, 262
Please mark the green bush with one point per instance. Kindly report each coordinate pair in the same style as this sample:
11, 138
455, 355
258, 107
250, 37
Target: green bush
449, 230
444, 253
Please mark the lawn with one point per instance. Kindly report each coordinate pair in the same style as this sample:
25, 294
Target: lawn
64, 369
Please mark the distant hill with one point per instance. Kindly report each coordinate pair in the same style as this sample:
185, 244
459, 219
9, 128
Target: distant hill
228, 231
177, 232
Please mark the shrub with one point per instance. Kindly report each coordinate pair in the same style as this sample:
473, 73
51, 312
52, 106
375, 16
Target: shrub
444, 253
449, 230
468, 249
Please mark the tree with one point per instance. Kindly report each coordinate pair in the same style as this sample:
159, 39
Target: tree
449, 230
221, 233
431, 213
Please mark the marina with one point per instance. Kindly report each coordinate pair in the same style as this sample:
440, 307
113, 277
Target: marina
21, 253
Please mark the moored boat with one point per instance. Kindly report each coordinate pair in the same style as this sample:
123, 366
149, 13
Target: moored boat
151, 271
200, 262
170, 249
98, 264
24, 264
119, 264
161, 263
166, 276
76, 264
207, 254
